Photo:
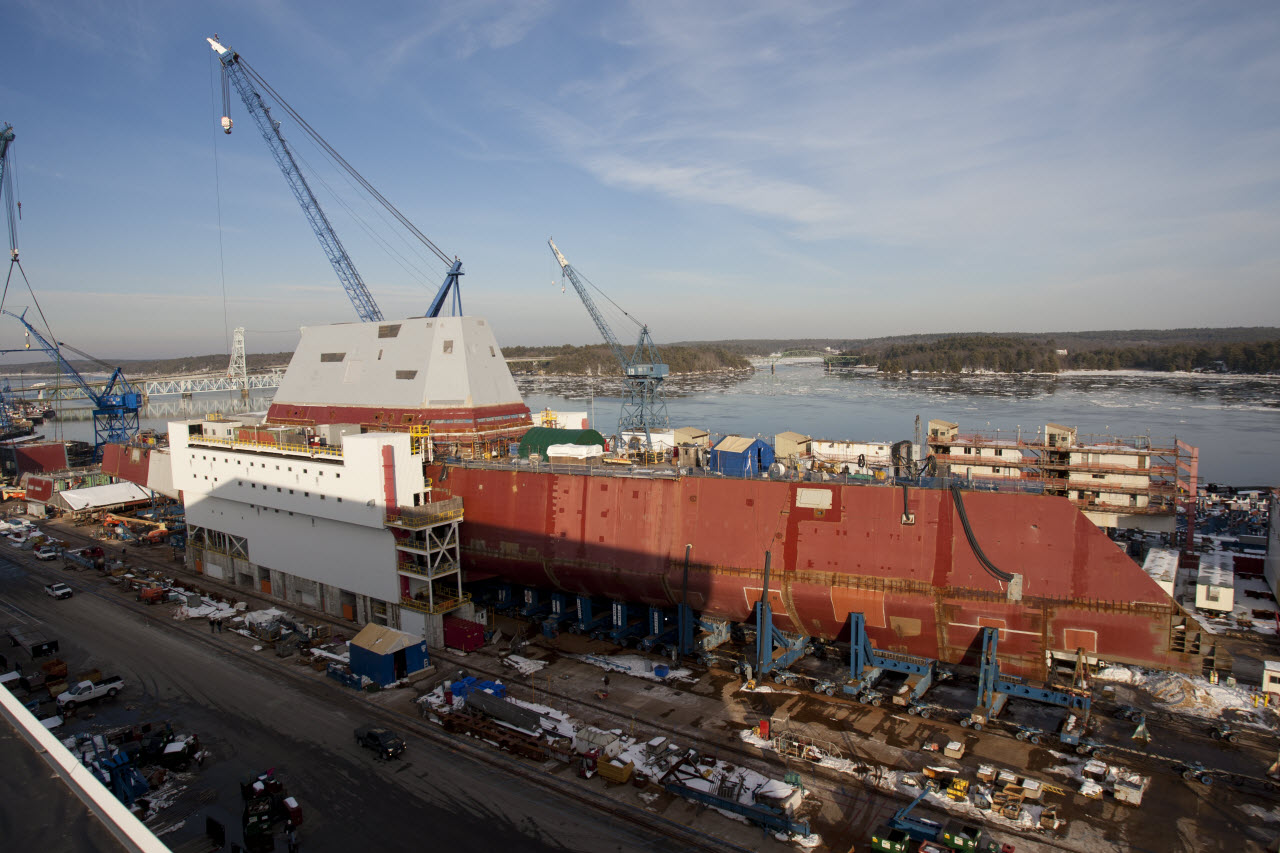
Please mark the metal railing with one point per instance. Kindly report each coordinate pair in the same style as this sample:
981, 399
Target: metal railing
425, 571
442, 603
418, 517
306, 449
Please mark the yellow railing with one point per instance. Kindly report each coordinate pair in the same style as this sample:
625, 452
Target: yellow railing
263, 445
443, 603
419, 435
424, 571
417, 517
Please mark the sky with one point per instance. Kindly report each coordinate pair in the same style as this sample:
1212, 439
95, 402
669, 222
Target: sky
720, 170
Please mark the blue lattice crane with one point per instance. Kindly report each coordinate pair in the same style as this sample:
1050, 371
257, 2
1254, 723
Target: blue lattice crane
237, 72
115, 404
643, 406
6, 190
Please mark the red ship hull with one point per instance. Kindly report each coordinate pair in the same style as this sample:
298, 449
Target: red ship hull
835, 549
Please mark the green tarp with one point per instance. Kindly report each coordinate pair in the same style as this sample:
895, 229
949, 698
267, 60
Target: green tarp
538, 439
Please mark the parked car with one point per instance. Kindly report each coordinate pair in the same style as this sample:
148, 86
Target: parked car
384, 742
59, 590
46, 553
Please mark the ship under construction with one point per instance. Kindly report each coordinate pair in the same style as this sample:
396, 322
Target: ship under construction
384, 485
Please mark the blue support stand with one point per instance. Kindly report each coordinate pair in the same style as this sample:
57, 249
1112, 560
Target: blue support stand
662, 629
506, 597
534, 607
994, 689
775, 649
867, 664
589, 618
561, 611
622, 627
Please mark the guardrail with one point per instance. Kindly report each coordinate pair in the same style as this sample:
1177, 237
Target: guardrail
305, 449
443, 603
418, 517
131, 833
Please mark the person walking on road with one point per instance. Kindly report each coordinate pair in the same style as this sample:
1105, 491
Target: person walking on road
213, 625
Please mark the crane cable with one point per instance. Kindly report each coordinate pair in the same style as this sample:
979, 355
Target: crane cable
13, 214
217, 194
338, 158
405, 263
594, 287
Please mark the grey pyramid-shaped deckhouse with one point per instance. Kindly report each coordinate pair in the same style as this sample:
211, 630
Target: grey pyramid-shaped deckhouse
445, 372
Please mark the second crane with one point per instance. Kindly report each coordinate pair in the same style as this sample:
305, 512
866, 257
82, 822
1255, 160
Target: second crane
644, 408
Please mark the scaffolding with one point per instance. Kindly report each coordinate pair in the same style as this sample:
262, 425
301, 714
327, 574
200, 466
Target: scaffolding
1101, 474
428, 556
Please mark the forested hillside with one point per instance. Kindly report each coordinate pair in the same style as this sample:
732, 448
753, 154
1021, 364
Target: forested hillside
599, 360
1237, 350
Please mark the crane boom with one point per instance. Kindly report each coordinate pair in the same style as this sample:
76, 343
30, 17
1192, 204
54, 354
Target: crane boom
570, 273
643, 406
115, 409
6, 189
366, 308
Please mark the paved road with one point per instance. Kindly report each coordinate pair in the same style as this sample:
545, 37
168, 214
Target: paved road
251, 720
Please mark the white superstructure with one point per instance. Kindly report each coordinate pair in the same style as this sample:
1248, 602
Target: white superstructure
417, 363
349, 529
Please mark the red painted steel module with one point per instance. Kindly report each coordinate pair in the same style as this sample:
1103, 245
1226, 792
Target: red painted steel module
836, 548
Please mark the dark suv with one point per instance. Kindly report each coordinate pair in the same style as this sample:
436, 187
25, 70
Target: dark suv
384, 742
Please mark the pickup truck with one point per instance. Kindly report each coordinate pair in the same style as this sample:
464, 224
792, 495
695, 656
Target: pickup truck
88, 691
58, 590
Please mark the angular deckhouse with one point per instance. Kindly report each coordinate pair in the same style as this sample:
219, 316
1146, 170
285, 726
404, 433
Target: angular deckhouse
445, 373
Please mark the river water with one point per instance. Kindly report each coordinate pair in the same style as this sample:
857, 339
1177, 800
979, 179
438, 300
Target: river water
1233, 420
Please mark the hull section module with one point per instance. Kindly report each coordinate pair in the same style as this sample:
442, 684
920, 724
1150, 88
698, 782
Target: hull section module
835, 548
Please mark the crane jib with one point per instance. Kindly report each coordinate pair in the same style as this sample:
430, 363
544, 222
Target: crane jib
233, 69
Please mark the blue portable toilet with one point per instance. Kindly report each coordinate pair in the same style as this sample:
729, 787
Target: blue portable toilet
741, 457
385, 655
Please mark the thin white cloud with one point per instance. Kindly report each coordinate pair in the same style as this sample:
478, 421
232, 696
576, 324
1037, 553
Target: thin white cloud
1011, 123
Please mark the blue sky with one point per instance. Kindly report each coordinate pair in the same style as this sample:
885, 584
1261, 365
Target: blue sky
719, 169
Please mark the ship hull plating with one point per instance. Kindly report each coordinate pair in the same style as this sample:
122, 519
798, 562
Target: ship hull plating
836, 548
